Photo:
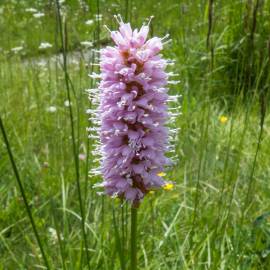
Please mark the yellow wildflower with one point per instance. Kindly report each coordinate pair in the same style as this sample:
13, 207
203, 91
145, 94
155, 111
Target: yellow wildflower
161, 174
151, 192
168, 186
223, 119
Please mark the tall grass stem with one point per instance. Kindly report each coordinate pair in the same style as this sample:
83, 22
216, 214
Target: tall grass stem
74, 144
26, 204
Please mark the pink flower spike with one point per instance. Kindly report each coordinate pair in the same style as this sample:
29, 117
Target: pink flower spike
133, 114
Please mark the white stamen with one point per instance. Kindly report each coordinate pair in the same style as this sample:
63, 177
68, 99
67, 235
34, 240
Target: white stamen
150, 19
94, 75
173, 82
97, 185
166, 36
167, 42
119, 19
91, 136
107, 28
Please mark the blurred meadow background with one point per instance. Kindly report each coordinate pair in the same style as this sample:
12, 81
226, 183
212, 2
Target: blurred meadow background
217, 215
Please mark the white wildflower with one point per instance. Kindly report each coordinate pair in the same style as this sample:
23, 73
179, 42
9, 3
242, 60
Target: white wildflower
52, 109
53, 235
89, 22
44, 45
98, 17
67, 103
39, 15
86, 44
17, 49
31, 10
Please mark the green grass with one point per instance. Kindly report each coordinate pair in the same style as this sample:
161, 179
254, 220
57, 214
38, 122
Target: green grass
217, 216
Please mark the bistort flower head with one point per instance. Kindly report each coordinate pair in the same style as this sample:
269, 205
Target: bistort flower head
133, 113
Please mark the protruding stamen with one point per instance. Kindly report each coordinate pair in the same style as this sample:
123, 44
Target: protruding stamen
107, 28
167, 42
173, 82
119, 19
94, 75
150, 19
166, 36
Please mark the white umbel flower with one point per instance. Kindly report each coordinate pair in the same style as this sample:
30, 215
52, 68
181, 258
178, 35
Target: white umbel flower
44, 45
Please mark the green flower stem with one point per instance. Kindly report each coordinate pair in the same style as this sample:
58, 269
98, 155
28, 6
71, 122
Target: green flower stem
133, 239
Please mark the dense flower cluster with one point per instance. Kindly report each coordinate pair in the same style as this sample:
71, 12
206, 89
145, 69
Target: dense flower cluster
133, 113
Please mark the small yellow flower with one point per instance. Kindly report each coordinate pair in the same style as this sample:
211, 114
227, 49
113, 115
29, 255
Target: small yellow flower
168, 186
223, 119
151, 192
161, 174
